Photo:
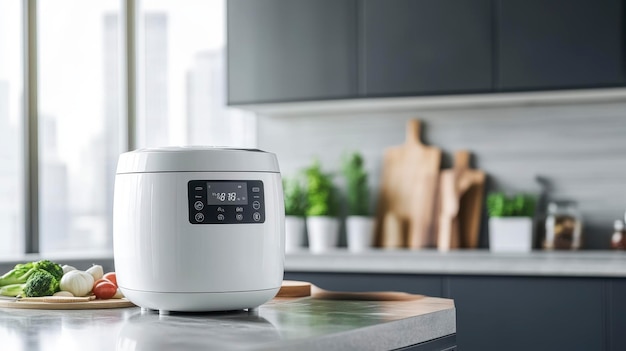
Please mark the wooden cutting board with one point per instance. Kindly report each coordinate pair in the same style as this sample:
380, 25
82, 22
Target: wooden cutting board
461, 192
292, 289
61, 303
404, 217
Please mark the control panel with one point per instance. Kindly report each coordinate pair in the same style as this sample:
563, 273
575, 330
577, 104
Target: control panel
226, 201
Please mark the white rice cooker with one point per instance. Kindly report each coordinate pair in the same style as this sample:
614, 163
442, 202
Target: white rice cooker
198, 229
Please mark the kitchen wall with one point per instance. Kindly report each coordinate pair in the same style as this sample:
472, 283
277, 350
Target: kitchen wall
580, 147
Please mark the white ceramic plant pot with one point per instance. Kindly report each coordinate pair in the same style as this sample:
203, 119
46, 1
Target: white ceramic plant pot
294, 233
323, 233
510, 234
360, 233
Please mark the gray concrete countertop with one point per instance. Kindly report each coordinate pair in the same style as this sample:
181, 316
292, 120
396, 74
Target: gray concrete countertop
462, 262
296, 324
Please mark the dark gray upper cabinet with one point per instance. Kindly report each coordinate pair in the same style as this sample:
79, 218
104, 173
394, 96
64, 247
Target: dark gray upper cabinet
285, 50
559, 44
413, 47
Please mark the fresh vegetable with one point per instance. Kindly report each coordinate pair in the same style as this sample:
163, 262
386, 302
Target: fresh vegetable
77, 282
47, 272
118, 294
104, 290
41, 284
63, 293
53, 268
96, 271
111, 277
67, 268
12, 290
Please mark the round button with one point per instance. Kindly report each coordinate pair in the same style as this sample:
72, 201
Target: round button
239, 216
198, 205
220, 217
199, 217
256, 216
256, 205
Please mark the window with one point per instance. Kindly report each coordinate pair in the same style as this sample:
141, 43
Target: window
82, 115
182, 77
78, 122
11, 129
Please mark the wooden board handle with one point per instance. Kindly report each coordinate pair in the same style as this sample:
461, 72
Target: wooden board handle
413, 132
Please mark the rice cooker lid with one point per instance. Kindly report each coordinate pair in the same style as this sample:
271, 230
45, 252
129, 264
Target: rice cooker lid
197, 159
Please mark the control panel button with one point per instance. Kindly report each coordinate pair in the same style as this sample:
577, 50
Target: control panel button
220, 217
239, 216
239, 209
256, 205
198, 205
256, 189
256, 216
199, 217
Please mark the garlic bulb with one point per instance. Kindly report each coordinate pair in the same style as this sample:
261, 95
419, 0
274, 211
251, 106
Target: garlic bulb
96, 272
77, 282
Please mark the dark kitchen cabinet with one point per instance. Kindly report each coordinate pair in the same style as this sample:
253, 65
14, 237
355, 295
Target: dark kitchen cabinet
424, 284
528, 313
545, 44
416, 47
617, 315
286, 50
510, 312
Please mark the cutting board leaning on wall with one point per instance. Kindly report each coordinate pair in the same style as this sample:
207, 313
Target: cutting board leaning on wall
461, 192
406, 203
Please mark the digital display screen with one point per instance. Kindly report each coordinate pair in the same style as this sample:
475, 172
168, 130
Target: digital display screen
227, 193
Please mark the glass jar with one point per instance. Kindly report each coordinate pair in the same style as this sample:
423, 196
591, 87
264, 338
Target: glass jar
618, 239
563, 226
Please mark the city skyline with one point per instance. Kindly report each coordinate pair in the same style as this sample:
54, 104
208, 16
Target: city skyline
76, 191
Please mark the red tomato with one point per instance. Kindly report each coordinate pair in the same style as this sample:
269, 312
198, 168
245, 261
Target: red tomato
104, 290
100, 281
111, 277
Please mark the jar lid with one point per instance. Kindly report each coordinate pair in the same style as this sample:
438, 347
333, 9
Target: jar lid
197, 159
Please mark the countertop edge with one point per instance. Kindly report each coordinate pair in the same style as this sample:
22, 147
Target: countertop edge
596, 264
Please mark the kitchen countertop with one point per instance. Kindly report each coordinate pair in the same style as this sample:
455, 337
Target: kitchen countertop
292, 324
462, 262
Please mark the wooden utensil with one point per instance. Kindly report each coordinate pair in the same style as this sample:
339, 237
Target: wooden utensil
461, 192
291, 288
407, 192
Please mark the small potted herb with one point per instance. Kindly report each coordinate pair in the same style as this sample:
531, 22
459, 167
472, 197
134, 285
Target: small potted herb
322, 209
359, 223
510, 222
295, 209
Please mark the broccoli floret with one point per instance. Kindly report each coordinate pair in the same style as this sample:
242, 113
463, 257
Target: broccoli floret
12, 290
41, 283
23, 271
53, 268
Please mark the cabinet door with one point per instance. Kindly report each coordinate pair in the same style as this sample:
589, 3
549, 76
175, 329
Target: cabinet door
415, 284
286, 50
426, 46
529, 313
559, 44
617, 314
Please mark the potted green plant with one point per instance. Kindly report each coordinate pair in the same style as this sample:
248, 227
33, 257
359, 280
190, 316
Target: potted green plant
322, 209
510, 222
295, 209
359, 223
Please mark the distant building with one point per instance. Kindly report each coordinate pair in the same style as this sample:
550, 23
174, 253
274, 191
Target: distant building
54, 194
11, 199
209, 121
155, 124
